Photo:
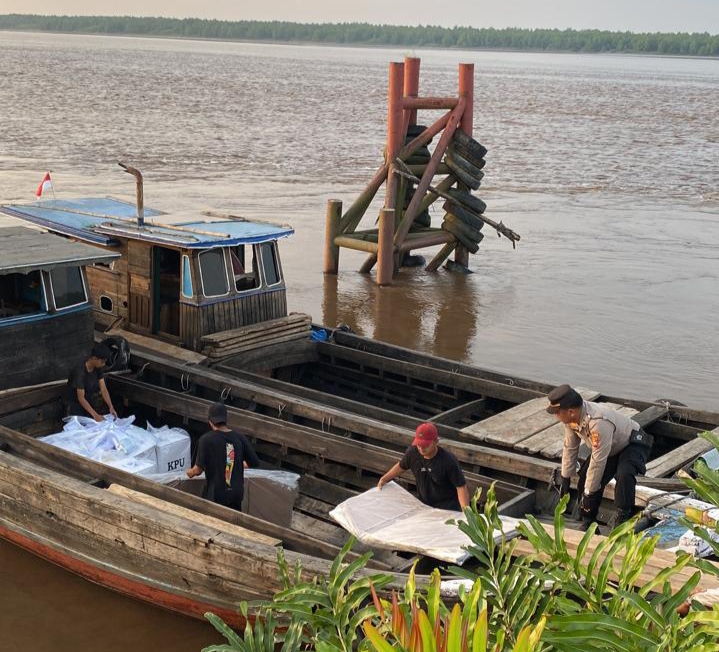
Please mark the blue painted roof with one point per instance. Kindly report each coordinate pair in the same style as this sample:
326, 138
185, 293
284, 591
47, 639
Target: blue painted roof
106, 220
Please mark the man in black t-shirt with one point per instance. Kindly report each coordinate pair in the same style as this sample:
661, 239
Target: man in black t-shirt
86, 389
223, 455
439, 478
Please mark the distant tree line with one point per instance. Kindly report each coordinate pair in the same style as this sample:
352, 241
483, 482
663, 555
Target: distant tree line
365, 34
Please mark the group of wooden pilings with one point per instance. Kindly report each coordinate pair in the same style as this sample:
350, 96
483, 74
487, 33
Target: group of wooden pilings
388, 244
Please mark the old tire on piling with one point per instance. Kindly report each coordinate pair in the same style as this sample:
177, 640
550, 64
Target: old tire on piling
467, 146
463, 215
119, 353
415, 130
460, 171
460, 231
470, 202
468, 167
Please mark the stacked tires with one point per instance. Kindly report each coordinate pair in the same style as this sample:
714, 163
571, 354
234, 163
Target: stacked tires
465, 158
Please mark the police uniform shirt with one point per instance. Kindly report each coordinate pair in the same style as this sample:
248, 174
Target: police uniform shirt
437, 478
606, 433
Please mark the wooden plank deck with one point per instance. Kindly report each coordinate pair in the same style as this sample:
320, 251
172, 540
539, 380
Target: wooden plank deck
518, 423
549, 442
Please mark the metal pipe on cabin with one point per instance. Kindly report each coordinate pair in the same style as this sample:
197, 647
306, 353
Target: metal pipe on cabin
466, 124
138, 192
385, 249
332, 230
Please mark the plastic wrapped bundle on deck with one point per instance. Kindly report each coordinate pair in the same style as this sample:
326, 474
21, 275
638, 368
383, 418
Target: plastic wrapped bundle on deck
394, 519
270, 495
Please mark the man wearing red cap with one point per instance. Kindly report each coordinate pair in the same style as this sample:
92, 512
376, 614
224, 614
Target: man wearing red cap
439, 478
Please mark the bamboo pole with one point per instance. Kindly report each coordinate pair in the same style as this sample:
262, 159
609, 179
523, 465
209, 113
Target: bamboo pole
427, 240
385, 250
466, 124
332, 225
429, 172
443, 254
432, 197
355, 213
414, 103
355, 243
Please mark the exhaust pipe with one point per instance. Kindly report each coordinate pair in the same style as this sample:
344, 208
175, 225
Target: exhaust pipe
138, 191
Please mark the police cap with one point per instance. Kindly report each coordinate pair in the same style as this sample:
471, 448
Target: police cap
563, 397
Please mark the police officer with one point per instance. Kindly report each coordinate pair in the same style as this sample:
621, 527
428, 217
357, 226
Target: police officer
619, 449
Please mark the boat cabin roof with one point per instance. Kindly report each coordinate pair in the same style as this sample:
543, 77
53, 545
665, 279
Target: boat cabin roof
23, 250
106, 221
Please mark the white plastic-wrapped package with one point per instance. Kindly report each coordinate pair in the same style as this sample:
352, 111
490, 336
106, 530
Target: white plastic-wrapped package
393, 518
109, 441
172, 449
136, 465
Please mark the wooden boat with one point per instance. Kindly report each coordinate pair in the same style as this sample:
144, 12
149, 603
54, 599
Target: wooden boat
172, 548
46, 321
166, 546
338, 409
192, 318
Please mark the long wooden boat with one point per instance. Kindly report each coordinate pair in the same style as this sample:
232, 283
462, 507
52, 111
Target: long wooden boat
335, 407
202, 301
170, 547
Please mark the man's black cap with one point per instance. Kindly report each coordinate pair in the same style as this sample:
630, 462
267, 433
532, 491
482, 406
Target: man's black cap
563, 397
218, 413
101, 352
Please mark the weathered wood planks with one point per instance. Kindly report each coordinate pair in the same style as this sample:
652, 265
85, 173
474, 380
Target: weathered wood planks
518, 423
679, 457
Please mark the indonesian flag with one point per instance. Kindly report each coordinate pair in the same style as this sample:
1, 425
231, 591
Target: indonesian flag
45, 185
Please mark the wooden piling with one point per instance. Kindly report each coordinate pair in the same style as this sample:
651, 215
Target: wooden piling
466, 124
332, 230
385, 251
395, 125
411, 88
429, 172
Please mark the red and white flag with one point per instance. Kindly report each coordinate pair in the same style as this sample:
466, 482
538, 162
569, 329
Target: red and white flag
45, 185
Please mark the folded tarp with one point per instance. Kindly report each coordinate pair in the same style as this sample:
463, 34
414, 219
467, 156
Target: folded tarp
394, 519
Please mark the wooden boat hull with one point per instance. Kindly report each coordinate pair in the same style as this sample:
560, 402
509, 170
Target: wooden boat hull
137, 589
148, 554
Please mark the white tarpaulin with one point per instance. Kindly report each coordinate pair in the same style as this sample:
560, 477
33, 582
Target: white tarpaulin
394, 519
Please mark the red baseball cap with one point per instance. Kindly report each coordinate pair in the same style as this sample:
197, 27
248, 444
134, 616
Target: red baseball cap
425, 434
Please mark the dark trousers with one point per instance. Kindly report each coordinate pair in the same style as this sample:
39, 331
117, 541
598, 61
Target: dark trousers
624, 466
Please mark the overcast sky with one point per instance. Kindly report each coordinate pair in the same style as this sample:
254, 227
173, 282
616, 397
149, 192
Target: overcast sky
632, 15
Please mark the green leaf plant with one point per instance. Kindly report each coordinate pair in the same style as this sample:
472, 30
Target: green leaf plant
597, 593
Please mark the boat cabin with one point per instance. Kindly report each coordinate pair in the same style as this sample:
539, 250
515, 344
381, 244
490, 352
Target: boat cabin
178, 276
46, 322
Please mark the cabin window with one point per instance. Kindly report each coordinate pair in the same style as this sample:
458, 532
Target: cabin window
186, 278
106, 303
213, 273
68, 288
270, 264
244, 267
21, 294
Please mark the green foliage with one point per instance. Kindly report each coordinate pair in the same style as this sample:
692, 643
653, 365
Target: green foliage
706, 487
418, 624
324, 613
558, 599
590, 40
